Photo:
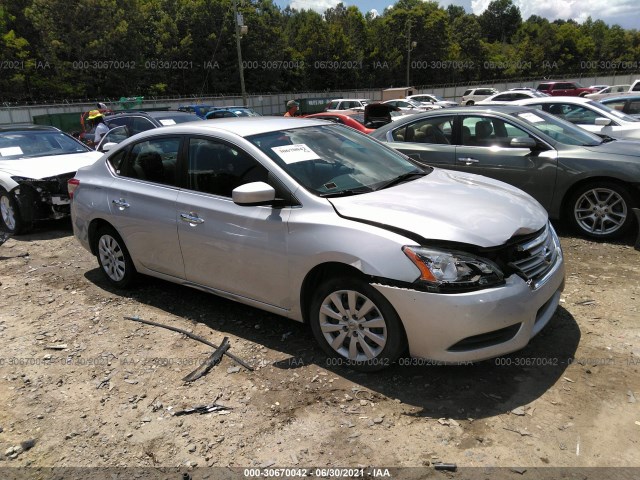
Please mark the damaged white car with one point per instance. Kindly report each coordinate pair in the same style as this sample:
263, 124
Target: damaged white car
35, 164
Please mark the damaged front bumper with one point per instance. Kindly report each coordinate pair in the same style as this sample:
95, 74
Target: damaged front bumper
41, 199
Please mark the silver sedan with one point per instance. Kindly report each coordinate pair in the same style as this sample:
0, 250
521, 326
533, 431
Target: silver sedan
321, 224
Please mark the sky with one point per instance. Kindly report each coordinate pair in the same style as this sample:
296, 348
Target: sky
625, 13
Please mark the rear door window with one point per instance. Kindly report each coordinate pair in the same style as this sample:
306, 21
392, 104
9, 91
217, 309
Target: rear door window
633, 107
153, 161
436, 130
140, 124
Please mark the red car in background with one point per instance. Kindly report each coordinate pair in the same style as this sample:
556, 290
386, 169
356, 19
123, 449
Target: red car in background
564, 88
354, 120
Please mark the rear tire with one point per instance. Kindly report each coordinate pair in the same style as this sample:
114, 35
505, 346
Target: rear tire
356, 325
470, 102
601, 210
113, 257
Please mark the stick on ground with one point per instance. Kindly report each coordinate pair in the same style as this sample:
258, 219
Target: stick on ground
210, 362
195, 337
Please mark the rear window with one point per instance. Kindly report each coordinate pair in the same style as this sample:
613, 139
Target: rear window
544, 86
467, 92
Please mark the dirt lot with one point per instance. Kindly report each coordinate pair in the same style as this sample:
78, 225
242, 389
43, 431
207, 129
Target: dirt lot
94, 389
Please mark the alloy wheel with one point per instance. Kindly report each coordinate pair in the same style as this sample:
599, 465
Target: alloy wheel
7, 212
600, 211
112, 258
353, 325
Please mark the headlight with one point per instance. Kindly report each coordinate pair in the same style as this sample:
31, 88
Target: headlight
448, 271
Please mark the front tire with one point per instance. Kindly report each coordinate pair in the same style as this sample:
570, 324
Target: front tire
601, 211
114, 258
10, 214
356, 325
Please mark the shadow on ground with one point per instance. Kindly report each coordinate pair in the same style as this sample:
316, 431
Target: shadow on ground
47, 230
479, 390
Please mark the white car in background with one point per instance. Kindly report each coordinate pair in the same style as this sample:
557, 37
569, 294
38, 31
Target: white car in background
35, 164
347, 104
408, 106
510, 96
612, 91
433, 100
473, 95
588, 114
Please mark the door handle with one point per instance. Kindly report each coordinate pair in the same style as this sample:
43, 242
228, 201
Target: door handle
191, 218
468, 160
120, 203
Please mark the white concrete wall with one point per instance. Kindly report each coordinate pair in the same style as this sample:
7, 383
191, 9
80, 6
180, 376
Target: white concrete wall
274, 104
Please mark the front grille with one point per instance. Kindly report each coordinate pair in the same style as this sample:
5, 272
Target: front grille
533, 258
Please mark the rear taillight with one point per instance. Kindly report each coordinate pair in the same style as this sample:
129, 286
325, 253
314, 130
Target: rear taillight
72, 185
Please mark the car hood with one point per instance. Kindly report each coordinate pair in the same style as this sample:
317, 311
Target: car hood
449, 206
630, 148
50, 166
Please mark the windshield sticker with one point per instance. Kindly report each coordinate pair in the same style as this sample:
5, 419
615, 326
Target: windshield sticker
9, 151
167, 121
531, 117
295, 153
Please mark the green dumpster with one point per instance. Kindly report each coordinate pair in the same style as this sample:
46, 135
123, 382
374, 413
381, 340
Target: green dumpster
67, 122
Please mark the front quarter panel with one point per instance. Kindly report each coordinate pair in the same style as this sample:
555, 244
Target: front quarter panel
7, 182
321, 236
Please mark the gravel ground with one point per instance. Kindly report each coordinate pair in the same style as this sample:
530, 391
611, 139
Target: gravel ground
82, 386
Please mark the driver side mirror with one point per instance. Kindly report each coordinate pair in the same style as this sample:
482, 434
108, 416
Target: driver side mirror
523, 142
108, 146
253, 194
602, 121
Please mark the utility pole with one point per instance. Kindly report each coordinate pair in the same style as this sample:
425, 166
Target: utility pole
240, 28
410, 46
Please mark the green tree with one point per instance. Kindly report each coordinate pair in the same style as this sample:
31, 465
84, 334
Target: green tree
500, 20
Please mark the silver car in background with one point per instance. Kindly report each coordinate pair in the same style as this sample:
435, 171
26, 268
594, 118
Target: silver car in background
592, 182
321, 224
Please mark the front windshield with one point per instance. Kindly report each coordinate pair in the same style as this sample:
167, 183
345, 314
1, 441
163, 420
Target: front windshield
333, 160
558, 129
37, 143
617, 113
414, 103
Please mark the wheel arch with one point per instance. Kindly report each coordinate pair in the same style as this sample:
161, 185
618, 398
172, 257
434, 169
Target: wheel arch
319, 274
586, 181
7, 183
94, 226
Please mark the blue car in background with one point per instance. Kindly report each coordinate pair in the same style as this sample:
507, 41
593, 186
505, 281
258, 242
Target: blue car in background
234, 111
199, 110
